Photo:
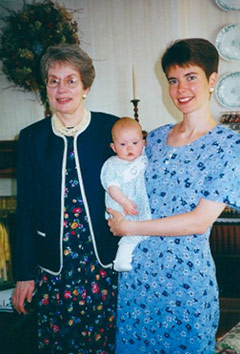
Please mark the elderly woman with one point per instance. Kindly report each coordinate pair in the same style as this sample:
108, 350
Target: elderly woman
64, 246
168, 303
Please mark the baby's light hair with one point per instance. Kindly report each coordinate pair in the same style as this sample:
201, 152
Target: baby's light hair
125, 123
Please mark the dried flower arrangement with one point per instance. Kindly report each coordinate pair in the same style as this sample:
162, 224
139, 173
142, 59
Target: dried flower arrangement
25, 37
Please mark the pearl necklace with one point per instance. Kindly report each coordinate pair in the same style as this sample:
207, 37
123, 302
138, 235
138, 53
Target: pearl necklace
73, 130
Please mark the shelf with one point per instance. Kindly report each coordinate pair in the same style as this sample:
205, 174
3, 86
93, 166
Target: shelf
232, 220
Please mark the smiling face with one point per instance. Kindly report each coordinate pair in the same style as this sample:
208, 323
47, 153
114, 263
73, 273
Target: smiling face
128, 143
67, 102
189, 87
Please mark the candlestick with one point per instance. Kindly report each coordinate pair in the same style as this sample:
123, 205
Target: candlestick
135, 108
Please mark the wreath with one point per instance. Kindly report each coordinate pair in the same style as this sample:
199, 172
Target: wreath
26, 36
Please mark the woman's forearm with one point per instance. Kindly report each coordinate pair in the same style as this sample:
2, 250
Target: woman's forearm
196, 221
176, 225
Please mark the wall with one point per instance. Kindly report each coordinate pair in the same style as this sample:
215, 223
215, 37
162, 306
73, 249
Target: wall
119, 34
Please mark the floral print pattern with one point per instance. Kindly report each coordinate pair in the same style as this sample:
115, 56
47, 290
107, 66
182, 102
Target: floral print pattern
77, 307
168, 303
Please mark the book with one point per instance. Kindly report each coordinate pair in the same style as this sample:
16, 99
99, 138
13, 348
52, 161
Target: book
5, 300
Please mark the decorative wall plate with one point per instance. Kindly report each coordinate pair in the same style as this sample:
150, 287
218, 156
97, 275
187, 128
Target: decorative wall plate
228, 42
229, 5
228, 90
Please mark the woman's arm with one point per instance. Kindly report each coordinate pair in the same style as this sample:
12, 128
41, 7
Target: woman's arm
196, 221
25, 262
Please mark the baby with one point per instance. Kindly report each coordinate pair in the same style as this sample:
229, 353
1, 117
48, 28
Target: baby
122, 177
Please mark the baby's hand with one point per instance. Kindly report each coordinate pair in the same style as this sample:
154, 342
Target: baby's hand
130, 208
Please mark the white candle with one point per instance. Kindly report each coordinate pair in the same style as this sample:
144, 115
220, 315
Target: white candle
134, 83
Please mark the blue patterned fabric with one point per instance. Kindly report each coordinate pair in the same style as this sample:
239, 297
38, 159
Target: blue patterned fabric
168, 303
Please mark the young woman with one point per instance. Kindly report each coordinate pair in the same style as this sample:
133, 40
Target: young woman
168, 303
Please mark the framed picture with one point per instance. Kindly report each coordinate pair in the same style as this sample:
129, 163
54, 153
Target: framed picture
8, 158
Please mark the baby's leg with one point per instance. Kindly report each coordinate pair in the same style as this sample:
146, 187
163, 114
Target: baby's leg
123, 260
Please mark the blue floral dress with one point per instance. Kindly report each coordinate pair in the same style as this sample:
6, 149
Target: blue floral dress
77, 307
168, 303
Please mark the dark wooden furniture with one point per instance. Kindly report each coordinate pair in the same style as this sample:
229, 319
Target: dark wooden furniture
18, 333
8, 158
225, 247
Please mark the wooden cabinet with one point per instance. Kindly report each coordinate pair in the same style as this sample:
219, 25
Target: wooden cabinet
225, 247
8, 158
18, 333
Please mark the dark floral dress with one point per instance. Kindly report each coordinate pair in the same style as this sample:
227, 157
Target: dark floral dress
77, 307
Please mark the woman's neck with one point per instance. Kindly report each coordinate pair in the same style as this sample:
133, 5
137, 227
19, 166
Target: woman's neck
192, 127
71, 120
196, 125
68, 130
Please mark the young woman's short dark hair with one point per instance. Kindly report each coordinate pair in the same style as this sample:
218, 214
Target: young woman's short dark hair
192, 51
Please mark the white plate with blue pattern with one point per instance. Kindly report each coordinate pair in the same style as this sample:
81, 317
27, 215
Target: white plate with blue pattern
228, 42
228, 90
229, 5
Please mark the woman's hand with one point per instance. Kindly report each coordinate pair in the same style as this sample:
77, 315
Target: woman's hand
22, 292
117, 223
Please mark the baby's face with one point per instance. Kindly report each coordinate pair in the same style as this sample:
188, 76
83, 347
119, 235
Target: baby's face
128, 144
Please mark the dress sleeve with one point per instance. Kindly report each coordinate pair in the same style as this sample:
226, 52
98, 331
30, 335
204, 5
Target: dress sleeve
223, 185
109, 174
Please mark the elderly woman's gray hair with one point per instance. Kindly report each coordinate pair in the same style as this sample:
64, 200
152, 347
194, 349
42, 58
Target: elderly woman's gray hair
72, 54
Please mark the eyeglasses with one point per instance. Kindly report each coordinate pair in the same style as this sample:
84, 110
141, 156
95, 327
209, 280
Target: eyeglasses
69, 82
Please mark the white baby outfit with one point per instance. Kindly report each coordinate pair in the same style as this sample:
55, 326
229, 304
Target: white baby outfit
129, 177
